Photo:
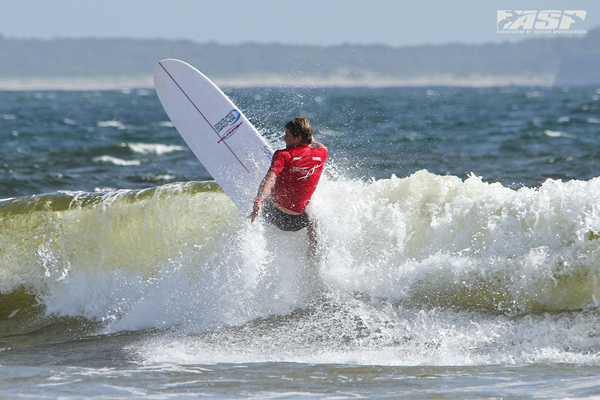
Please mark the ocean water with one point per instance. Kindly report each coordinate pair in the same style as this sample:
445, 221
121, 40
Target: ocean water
458, 256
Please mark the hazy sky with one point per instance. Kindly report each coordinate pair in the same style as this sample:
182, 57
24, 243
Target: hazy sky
314, 22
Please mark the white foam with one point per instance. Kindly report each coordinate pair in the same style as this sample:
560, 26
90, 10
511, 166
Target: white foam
558, 134
422, 269
387, 336
149, 148
424, 238
111, 124
165, 177
167, 124
435, 236
116, 161
405, 261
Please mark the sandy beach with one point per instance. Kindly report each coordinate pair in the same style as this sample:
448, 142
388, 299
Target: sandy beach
147, 82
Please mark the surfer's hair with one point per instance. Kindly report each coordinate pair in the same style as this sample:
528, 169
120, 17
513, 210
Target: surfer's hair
300, 126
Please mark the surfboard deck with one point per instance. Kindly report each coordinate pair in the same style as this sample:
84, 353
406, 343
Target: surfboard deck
220, 136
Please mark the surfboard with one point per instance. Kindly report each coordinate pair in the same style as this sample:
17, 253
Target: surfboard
220, 136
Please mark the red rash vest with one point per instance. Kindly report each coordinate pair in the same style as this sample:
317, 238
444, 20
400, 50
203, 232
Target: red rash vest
298, 170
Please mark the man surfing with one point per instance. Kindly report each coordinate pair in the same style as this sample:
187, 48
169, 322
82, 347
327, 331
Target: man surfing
292, 179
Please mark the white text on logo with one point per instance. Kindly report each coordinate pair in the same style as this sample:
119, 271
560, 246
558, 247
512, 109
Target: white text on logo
545, 20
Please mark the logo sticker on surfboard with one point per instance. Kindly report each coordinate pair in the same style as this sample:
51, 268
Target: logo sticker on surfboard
230, 119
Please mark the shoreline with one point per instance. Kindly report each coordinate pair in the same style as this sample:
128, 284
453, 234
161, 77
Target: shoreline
147, 82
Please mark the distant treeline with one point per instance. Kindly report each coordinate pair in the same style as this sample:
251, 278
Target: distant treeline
569, 60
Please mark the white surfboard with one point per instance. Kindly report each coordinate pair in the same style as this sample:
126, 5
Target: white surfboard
217, 132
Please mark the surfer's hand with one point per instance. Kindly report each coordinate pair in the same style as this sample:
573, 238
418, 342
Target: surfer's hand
255, 210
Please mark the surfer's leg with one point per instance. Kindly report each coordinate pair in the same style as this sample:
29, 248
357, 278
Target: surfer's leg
312, 239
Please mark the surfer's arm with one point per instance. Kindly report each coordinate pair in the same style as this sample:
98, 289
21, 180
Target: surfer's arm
317, 145
263, 190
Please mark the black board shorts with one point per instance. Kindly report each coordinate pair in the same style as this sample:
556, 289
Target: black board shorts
283, 221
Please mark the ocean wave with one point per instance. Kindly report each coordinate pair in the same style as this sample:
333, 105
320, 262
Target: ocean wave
550, 133
53, 243
149, 148
111, 124
430, 239
116, 161
181, 254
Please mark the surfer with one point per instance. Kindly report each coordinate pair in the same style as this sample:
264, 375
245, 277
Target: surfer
292, 179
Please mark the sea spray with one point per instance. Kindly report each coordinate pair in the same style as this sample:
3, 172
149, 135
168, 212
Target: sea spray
181, 255
440, 240
59, 246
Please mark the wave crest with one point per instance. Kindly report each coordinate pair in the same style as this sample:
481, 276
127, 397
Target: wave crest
182, 254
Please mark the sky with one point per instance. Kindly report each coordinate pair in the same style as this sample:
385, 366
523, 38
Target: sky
396, 23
